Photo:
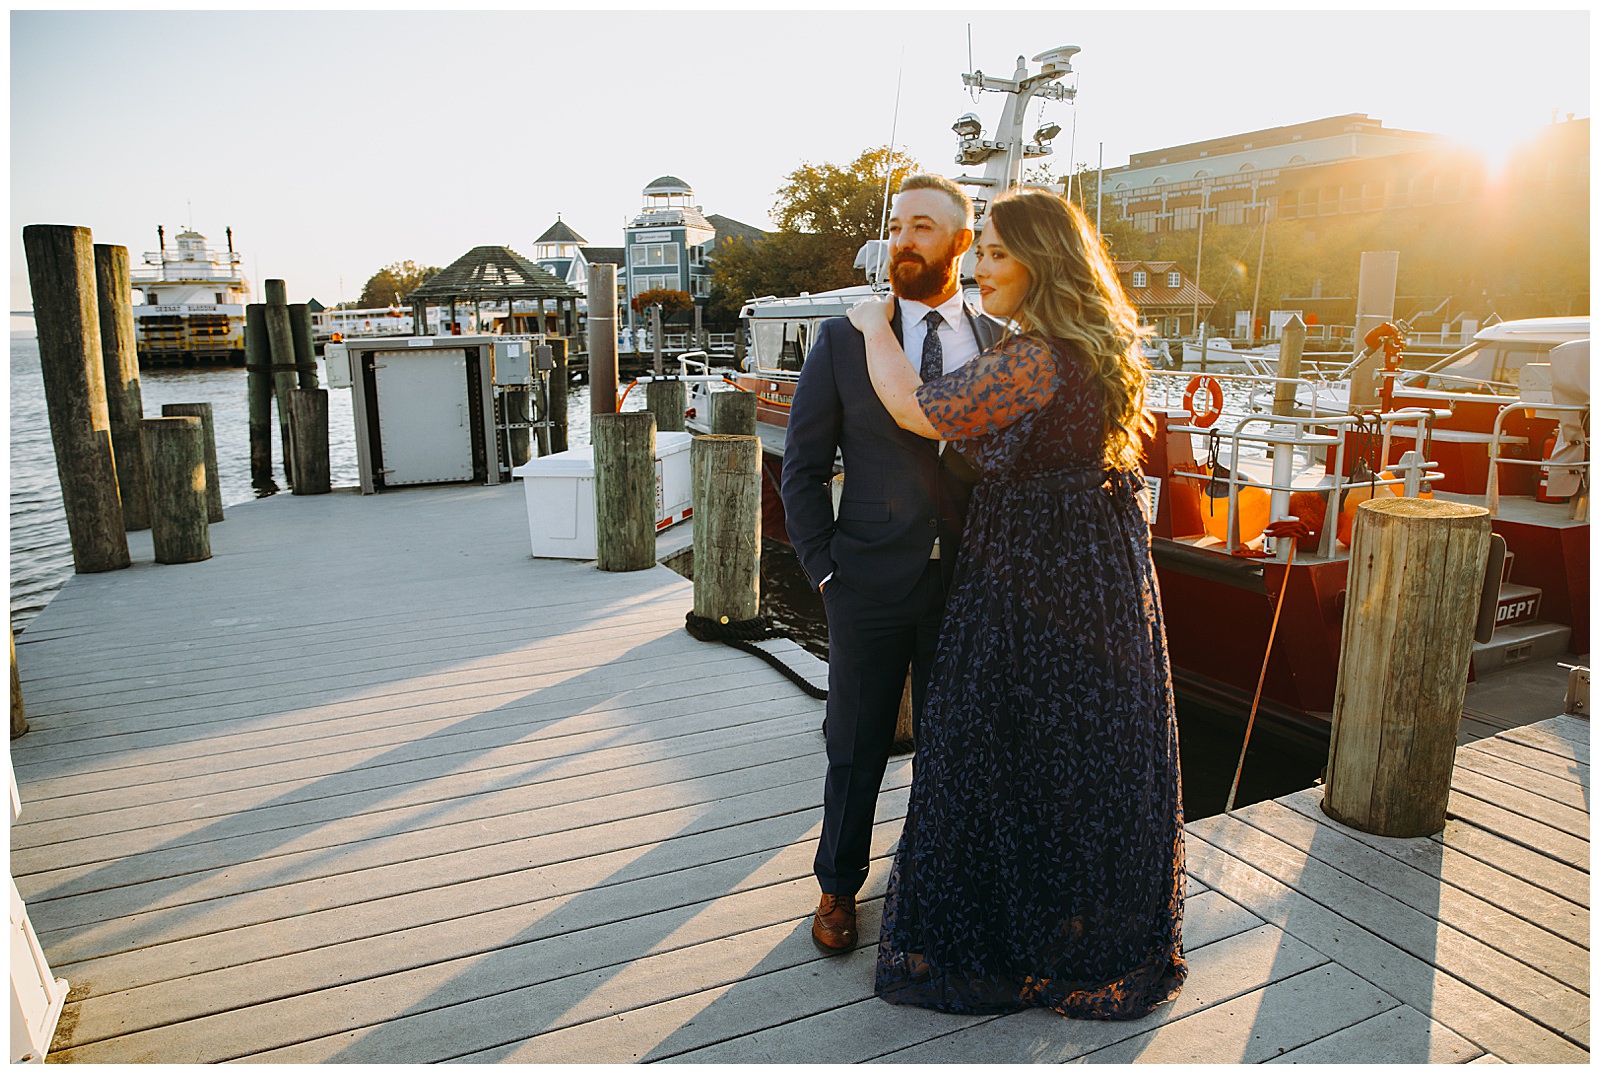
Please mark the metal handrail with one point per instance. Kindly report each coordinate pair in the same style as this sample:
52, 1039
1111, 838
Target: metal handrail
1335, 491
1491, 492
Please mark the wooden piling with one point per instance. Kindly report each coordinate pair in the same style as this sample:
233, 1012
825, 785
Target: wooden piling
258, 363
175, 453
1290, 350
19, 718
1416, 571
624, 490
517, 409
733, 413
280, 343
725, 492
667, 400
66, 312
119, 356
305, 348
208, 439
655, 340
602, 339
308, 426
558, 396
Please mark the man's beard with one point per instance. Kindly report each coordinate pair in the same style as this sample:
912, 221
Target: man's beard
919, 280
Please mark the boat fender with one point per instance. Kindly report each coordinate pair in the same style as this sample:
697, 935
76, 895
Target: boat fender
1212, 410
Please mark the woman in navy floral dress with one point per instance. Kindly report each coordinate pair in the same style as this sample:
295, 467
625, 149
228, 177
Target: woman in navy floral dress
1041, 863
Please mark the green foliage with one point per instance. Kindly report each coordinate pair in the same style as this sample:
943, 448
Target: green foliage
393, 282
825, 213
671, 301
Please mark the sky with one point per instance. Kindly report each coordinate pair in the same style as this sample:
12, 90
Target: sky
335, 143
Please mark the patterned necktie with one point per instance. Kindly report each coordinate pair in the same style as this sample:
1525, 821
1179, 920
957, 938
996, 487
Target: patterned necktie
932, 349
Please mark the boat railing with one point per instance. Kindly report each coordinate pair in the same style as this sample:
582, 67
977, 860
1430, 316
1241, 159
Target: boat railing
1409, 376
1579, 508
1283, 436
1258, 385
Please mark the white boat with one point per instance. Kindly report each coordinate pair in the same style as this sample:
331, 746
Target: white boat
191, 302
1199, 354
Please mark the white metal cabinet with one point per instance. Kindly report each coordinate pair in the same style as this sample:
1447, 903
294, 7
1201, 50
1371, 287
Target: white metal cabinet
424, 429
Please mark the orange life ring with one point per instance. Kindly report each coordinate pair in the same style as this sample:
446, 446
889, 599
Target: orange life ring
1208, 417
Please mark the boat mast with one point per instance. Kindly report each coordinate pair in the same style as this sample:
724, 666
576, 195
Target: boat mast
1003, 154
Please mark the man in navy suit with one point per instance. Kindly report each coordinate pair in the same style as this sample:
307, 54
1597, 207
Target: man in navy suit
884, 563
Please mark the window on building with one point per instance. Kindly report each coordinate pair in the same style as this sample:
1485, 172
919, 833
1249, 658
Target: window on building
1230, 212
650, 254
1185, 217
1174, 279
1145, 220
641, 283
1140, 278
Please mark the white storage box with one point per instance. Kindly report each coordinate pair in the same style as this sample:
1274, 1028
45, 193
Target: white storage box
559, 490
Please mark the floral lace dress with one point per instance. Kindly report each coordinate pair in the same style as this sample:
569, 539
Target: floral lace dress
1041, 863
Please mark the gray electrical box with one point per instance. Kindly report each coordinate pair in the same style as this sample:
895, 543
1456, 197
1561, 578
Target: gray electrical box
513, 361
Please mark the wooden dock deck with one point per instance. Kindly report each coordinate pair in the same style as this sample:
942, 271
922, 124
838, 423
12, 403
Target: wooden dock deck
372, 785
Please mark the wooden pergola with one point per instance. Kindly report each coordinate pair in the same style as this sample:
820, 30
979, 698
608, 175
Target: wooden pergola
498, 274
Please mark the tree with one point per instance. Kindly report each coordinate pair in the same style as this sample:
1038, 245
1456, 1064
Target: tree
825, 213
392, 282
669, 300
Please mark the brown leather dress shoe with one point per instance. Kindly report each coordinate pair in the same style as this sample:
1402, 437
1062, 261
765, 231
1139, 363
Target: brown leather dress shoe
833, 929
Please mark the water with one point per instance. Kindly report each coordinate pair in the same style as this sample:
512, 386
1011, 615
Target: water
41, 554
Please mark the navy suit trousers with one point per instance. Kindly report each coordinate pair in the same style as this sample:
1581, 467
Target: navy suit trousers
871, 645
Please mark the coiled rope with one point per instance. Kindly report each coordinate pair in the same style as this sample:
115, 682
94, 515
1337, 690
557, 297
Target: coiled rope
740, 634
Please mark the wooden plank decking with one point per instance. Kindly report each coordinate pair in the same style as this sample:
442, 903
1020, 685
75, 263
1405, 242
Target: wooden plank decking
373, 785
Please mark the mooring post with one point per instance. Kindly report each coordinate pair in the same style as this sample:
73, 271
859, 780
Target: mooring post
1416, 574
1290, 351
208, 439
280, 342
667, 400
19, 719
726, 496
558, 396
308, 427
517, 409
602, 339
119, 354
175, 453
66, 312
624, 490
305, 348
655, 340
258, 363
733, 413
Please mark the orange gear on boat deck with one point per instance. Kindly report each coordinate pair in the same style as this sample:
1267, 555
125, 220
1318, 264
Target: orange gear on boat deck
1255, 507
1213, 389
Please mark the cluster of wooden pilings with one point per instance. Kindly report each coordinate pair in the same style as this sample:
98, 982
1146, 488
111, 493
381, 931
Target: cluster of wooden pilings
282, 365
119, 471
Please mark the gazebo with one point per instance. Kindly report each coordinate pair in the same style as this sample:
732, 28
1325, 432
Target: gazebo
497, 274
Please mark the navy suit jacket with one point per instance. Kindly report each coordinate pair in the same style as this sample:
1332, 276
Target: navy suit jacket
900, 491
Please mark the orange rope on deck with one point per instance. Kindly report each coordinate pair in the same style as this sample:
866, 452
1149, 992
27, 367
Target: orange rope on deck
1294, 529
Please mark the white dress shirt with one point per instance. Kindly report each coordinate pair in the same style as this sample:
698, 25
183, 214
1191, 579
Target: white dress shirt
955, 334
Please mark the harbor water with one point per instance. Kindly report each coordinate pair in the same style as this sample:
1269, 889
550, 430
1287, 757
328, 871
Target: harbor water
41, 555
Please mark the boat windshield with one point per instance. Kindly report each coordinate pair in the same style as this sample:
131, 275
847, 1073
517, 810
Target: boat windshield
779, 344
1484, 361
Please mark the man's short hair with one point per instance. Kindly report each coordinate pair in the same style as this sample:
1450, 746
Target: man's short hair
957, 196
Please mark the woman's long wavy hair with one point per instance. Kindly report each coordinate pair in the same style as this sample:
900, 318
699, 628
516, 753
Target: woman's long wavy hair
1073, 294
